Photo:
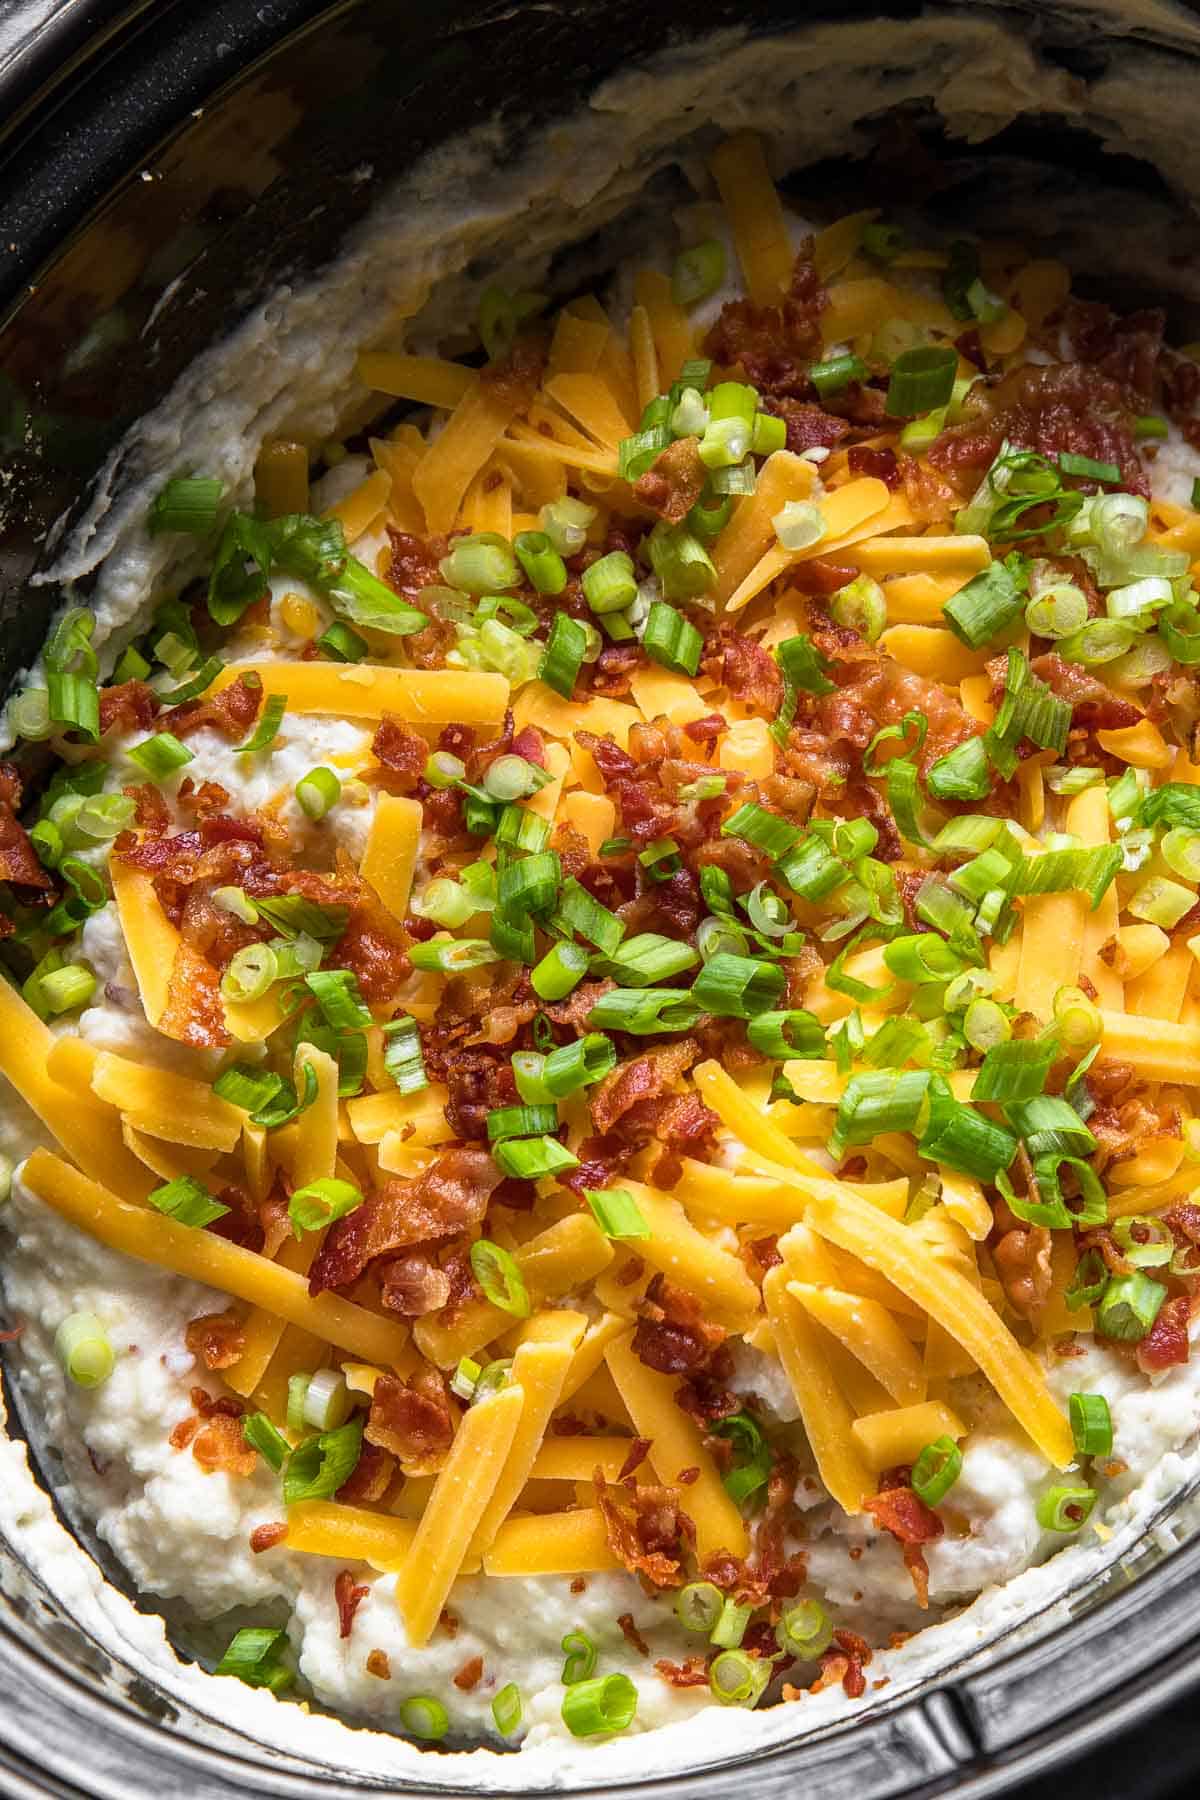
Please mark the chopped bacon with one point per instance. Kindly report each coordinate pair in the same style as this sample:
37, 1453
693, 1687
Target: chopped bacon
913, 1524
639, 1450
413, 1285
202, 802
194, 1013
232, 712
371, 950
642, 1078
131, 705
470, 1675
402, 752
220, 1444
451, 1195
529, 743
707, 730
1126, 350
845, 1664
752, 675
515, 378
1167, 1342
217, 1339
774, 344
11, 785
808, 427
349, 1597
18, 860
370, 1479
265, 1537
692, 1673
414, 564
182, 1433
674, 481
672, 1334
377, 1663
411, 1418
632, 1635
1093, 706
644, 1528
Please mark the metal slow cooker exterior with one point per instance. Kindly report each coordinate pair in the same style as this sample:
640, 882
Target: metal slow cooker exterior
160, 153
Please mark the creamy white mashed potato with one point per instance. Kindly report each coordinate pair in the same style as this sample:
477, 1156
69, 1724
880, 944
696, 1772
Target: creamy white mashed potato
183, 1535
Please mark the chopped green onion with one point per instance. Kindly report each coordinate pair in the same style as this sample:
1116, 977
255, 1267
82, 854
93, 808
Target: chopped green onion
737, 1679
482, 564
609, 584
985, 1025
581, 1654
616, 1213
737, 986
499, 1276
541, 562
520, 829
783, 1035
559, 972
730, 1627
836, 373
317, 791
683, 566
988, 604
317, 1468
188, 1202
698, 272
337, 994
159, 755
319, 1203
82, 1347
579, 911
860, 606
698, 1606
261, 1435
403, 1057
267, 729
766, 831
799, 525
962, 774
1064, 1508
1091, 1424
64, 990
253, 1656
645, 1010
424, 1717
671, 640
527, 1159
565, 523
198, 684
921, 380
507, 1709
1129, 1307
805, 1630
327, 1400
769, 435
1179, 629
565, 647
513, 778
642, 960
604, 1704
443, 769
1078, 1019
452, 956
1161, 902
876, 1103
446, 902
1144, 1241
1057, 611
1151, 425
936, 1470
960, 1138
573, 1066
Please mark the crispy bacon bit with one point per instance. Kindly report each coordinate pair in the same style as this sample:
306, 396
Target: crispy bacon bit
644, 1528
402, 752
515, 378
470, 1675
808, 427
377, 1664
182, 1433
632, 1635
752, 675
845, 1664
217, 1339
131, 705
414, 563
194, 1013
643, 1078
371, 950
449, 1622
220, 1444
692, 1673
639, 1450
672, 1333
1093, 706
450, 1196
265, 1537
774, 344
411, 1418
371, 1479
18, 861
413, 1285
1167, 1341
912, 1523
674, 481
882, 464
232, 712
349, 1598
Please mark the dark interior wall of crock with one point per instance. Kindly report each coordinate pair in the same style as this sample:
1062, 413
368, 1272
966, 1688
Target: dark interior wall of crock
147, 200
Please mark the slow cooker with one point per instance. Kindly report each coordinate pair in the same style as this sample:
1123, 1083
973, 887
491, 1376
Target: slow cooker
163, 169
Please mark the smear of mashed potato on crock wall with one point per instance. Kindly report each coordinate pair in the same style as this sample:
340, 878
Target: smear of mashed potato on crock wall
290, 368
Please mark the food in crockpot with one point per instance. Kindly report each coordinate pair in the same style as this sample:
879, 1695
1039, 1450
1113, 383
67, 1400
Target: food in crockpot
610, 993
